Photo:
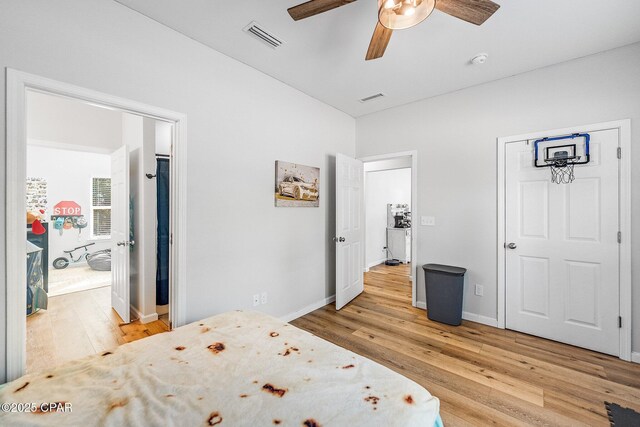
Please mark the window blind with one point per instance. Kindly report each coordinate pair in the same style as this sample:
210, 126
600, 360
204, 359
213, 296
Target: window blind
101, 207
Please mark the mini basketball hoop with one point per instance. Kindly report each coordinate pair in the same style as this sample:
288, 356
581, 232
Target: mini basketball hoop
561, 168
562, 158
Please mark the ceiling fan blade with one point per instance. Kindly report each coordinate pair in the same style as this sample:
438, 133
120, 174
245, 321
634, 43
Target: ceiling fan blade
473, 11
315, 7
379, 42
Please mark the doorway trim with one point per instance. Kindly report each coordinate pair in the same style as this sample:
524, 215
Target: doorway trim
624, 200
17, 85
414, 204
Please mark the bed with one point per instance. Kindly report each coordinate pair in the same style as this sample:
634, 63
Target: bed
235, 369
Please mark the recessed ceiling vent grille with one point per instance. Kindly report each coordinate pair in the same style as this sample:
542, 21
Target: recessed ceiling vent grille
257, 31
372, 97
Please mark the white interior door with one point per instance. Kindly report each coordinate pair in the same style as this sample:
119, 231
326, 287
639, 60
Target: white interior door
562, 276
349, 229
120, 243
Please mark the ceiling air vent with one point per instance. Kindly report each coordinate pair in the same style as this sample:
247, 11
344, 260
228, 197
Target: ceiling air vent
257, 31
372, 97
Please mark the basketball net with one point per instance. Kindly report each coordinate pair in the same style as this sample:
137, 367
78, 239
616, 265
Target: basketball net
561, 171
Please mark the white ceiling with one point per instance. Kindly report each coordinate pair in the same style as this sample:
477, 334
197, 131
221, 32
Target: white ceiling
65, 123
323, 56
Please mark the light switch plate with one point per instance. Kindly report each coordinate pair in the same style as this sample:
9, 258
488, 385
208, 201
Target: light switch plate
428, 220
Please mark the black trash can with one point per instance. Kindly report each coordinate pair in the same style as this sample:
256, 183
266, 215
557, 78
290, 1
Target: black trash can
444, 287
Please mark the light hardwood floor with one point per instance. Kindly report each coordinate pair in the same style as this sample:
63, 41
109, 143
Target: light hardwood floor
482, 375
77, 325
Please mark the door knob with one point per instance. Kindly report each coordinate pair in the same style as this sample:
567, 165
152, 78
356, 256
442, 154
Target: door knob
510, 245
339, 239
126, 243
121, 243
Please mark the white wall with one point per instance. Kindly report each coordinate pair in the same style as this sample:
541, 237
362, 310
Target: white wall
455, 135
381, 188
239, 122
72, 124
164, 136
68, 175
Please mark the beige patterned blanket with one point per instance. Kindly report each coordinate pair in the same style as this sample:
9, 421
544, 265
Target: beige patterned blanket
234, 369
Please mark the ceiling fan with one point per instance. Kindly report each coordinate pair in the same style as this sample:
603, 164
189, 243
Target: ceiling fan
401, 14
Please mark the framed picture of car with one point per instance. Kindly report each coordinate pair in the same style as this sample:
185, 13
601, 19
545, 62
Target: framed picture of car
297, 185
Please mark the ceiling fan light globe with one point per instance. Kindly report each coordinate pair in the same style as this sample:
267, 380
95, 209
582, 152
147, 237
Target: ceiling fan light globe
408, 10
410, 13
390, 4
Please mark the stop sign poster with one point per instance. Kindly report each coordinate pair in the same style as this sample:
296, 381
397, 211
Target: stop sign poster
67, 208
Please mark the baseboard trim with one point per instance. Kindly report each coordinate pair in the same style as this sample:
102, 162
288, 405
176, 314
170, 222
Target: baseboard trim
472, 317
635, 357
308, 309
135, 314
478, 318
378, 262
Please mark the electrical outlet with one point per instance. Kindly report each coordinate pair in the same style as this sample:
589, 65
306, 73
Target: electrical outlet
479, 290
263, 298
256, 299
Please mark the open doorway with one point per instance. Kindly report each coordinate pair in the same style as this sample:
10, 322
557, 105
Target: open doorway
80, 299
19, 85
389, 201
388, 219
351, 224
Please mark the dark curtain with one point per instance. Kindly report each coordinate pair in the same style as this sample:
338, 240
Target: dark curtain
162, 253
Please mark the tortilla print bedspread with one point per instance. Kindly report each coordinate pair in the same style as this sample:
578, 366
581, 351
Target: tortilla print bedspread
233, 369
